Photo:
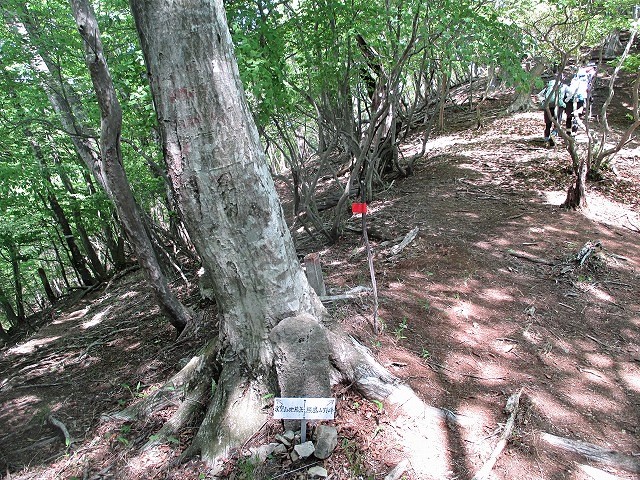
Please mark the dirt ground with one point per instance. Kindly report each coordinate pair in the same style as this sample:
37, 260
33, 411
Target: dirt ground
487, 300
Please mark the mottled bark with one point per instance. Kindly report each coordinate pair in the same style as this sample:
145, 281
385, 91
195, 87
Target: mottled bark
219, 174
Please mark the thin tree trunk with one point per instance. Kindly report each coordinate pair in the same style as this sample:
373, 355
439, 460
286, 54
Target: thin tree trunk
8, 309
47, 286
14, 257
77, 259
113, 174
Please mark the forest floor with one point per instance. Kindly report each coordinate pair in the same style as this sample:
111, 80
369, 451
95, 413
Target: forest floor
488, 299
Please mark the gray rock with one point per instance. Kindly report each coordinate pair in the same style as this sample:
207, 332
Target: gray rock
283, 440
326, 441
263, 451
294, 456
280, 450
289, 435
304, 450
317, 472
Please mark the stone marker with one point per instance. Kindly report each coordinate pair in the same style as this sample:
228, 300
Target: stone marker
326, 441
302, 363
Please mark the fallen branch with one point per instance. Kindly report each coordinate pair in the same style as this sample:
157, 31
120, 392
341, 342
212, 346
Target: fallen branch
350, 294
58, 424
594, 452
513, 402
409, 237
531, 258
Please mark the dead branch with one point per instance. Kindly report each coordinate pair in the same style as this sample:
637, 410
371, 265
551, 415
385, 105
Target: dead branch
513, 402
348, 295
531, 258
409, 237
58, 424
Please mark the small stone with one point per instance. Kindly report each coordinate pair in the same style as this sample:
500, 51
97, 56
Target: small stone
305, 450
283, 440
263, 451
294, 456
317, 472
326, 441
280, 450
289, 435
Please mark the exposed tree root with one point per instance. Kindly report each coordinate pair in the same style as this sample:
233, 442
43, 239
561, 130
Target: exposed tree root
186, 383
512, 406
194, 401
593, 452
240, 405
236, 412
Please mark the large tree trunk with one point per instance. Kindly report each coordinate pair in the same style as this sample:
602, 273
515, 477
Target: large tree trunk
111, 169
273, 328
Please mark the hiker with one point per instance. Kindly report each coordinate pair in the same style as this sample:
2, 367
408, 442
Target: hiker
550, 99
578, 96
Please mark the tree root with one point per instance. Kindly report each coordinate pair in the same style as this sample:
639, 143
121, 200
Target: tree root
188, 378
236, 412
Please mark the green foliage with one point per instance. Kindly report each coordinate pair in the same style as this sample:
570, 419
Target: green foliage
399, 331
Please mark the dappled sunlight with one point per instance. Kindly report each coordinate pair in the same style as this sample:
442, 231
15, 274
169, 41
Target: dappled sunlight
599, 208
19, 410
31, 346
558, 412
595, 291
496, 295
147, 461
96, 319
600, 360
629, 373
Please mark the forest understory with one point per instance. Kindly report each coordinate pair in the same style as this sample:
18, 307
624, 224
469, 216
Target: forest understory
489, 299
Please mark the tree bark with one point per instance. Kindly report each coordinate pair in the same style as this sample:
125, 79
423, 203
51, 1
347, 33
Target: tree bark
111, 169
78, 261
14, 256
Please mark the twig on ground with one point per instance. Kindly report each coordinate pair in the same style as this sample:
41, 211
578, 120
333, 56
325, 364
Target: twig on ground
513, 403
598, 341
409, 237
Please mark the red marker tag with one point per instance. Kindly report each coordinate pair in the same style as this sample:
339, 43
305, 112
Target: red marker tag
359, 208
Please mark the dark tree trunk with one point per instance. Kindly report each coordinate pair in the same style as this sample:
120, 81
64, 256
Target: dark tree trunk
47, 286
576, 195
14, 256
8, 309
78, 261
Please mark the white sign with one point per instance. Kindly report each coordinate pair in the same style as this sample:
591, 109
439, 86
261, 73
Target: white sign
304, 408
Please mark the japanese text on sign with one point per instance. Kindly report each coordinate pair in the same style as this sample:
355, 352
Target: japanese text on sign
304, 408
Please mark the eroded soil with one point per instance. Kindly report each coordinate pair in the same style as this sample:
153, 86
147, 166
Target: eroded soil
488, 299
